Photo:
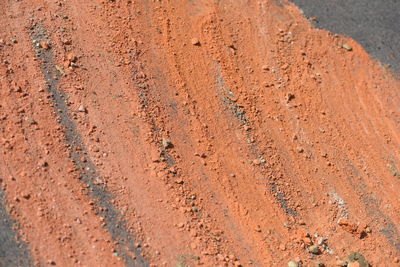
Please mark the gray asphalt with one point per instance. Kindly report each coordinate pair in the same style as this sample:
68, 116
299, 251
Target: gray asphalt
375, 24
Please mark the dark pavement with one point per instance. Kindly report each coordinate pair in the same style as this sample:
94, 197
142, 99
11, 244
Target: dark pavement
375, 24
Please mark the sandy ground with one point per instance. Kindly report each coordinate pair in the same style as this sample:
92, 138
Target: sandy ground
185, 133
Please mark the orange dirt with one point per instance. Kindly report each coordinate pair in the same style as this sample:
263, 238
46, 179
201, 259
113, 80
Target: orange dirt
228, 132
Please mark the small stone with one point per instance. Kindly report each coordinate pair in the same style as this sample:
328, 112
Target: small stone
166, 143
179, 181
14, 41
66, 42
347, 47
72, 57
319, 264
293, 264
44, 45
195, 41
314, 249
343, 222
321, 240
307, 241
81, 108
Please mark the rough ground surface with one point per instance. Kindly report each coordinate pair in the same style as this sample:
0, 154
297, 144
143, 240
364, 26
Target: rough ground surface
185, 133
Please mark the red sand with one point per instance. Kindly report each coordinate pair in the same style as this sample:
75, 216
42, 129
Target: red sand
280, 136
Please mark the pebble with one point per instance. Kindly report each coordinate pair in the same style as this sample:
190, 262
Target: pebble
307, 241
321, 241
72, 57
166, 143
314, 249
293, 264
81, 108
347, 47
66, 42
44, 45
179, 181
195, 41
